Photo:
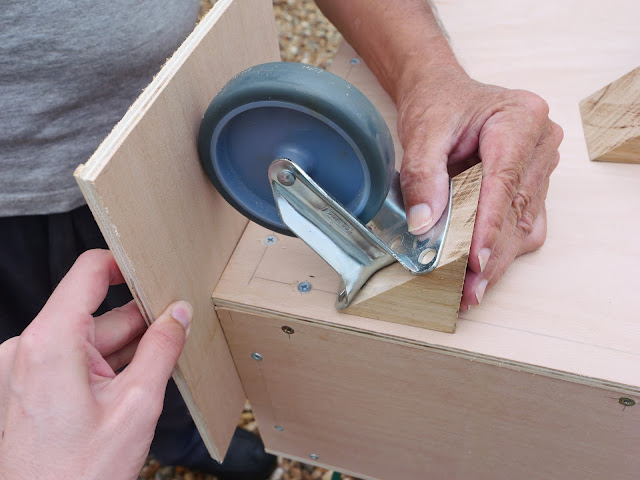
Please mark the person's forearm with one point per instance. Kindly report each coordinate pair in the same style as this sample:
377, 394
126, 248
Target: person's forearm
395, 38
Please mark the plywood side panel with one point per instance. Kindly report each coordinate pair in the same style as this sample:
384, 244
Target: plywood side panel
384, 410
428, 301
170, 232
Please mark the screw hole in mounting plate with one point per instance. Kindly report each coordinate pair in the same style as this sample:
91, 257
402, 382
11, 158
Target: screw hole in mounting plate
396, 243
427, 256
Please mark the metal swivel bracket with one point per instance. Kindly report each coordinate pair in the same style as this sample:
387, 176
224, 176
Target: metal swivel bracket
354, 250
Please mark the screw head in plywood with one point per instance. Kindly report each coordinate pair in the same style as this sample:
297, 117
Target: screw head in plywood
288, 330
626, 401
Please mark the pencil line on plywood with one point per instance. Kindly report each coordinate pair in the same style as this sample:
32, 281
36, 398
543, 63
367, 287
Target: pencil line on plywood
546, 335
264, 252
290, 284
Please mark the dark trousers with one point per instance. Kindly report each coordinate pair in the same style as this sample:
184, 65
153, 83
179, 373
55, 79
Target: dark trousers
35, 253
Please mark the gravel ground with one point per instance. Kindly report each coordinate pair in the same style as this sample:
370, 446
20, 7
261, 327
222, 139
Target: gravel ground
306, 36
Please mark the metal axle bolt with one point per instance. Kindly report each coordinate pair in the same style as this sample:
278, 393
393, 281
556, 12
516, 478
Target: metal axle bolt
286, 178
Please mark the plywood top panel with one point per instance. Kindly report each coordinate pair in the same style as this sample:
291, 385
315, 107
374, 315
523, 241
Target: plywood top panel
170, 231
567, 310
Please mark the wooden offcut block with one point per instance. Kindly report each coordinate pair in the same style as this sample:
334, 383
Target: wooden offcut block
432, 300
611, 120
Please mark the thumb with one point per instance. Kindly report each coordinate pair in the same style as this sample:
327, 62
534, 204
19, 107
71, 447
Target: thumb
160, 348
425, 184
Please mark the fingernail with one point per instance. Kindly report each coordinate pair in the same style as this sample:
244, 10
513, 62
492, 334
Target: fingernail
483, 257
419, 218
482, 286
183, 313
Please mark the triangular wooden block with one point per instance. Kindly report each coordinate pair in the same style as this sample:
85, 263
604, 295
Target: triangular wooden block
429, 301
611, 120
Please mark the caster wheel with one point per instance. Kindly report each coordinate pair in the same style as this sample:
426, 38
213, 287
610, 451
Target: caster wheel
307, 115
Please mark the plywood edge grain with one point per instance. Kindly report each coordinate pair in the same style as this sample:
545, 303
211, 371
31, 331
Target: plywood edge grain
429, 301
611, 120
226, 309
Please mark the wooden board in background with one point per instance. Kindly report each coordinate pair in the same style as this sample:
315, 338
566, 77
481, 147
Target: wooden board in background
611, 120
565, 311
170, 231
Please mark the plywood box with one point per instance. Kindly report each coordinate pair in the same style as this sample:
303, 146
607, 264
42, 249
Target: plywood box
539, 382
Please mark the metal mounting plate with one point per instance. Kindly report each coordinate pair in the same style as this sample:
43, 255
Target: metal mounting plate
354, 250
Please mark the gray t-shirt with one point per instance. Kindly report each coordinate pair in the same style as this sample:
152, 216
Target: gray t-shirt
69, 69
